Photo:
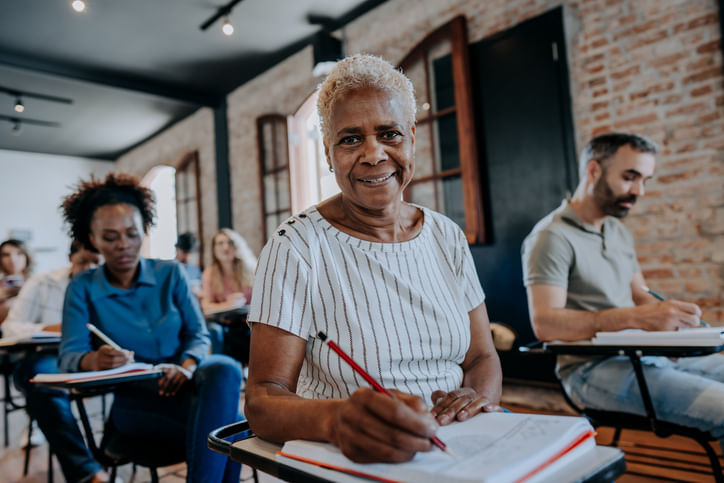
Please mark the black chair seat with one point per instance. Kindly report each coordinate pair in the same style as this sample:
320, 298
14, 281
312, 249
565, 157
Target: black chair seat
146, 452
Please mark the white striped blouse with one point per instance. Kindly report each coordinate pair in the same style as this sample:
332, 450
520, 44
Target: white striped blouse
400, 310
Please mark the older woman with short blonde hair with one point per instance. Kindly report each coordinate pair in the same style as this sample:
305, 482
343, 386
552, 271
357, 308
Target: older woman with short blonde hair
392, 283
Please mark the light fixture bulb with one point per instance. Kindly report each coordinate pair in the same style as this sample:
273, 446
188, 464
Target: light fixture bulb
18, 107
227, 28
78, 5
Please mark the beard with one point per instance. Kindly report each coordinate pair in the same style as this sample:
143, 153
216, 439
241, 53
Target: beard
608, 202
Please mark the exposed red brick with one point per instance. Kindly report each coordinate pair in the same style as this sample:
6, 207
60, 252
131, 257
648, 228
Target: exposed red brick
599, 92
700, 91
713, 46
634, 69
687, 109
708, 301
597, 81
703, 75
658, 273
638, 120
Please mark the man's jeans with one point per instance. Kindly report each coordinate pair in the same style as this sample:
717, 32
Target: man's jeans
51, 409
689, 392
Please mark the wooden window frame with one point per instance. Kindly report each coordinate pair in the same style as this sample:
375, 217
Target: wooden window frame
456, 31
260, 121
192, 158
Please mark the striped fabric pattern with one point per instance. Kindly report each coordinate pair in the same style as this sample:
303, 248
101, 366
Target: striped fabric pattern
398, 309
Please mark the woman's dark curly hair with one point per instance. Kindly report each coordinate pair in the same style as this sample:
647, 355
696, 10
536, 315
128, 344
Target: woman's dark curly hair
78, 208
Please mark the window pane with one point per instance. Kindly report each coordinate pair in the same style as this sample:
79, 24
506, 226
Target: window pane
192, 214
271, 225
453, 205
267, 152
416, 73
423, 150
270, 193
283, 187
441, 77
423, 194
446, 133
280, 144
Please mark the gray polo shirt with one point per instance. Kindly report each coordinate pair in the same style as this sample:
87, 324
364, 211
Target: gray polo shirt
596, 268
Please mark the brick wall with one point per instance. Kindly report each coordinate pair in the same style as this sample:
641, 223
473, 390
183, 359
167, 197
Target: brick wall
195, 133
649, 66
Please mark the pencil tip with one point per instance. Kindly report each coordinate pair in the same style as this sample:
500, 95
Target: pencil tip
450, 453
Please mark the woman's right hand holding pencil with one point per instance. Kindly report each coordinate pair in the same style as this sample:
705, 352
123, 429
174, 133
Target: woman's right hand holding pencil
106, 357
370, 426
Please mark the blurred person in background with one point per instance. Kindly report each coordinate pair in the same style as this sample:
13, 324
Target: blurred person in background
16, 264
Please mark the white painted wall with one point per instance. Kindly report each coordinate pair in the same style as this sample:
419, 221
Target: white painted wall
32, 186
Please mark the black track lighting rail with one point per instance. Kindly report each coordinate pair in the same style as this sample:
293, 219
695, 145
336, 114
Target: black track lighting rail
35, 95
34, 122
222, 11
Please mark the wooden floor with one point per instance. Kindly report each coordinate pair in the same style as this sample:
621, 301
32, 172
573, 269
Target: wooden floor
648, 458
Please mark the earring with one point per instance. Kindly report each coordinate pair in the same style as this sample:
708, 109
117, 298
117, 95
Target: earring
331, 170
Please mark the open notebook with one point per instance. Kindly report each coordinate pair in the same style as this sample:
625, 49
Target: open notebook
699, 336
132, 369
491, 447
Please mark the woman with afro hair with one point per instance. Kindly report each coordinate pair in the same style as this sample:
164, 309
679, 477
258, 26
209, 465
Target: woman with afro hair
146, 306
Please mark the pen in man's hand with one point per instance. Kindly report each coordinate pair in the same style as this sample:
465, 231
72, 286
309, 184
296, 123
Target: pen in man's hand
659, 297
376, 385
102, 336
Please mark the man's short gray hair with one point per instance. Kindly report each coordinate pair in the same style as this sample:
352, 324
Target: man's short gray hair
605, 146
361, 71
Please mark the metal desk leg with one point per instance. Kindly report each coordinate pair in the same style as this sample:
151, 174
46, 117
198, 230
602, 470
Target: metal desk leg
643, 389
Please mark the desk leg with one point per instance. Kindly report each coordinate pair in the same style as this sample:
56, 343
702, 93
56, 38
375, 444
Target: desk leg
644, 390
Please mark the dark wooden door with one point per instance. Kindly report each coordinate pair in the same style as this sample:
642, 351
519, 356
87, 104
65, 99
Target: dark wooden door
520, 80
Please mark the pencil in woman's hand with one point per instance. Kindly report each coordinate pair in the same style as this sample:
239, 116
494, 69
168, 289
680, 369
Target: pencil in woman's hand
376, 385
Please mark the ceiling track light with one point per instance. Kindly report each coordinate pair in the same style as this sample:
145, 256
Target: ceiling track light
222, 12
19, 106
78, 6
227, 28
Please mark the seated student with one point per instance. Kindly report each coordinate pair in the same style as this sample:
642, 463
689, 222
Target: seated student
16, 265
146, 307
186, 244
39, 306
394, 284
229, 279
582, 276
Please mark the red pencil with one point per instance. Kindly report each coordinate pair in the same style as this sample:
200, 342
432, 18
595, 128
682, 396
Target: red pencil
376, 385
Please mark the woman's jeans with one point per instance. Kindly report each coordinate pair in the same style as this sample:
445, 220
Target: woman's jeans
211, 401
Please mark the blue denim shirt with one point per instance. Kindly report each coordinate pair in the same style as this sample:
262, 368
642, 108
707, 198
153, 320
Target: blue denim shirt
158, 317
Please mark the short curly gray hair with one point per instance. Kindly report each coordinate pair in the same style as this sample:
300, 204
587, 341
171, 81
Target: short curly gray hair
360, 71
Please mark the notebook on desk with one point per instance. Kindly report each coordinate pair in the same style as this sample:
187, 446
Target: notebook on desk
127, 371
40, 336
699, 336
491, 447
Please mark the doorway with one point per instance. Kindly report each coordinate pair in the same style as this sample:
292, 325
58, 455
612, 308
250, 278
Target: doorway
528, 161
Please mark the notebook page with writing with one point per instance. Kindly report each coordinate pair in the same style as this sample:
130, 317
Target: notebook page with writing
491, 447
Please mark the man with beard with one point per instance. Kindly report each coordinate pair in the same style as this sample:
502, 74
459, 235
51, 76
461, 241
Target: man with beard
582, 277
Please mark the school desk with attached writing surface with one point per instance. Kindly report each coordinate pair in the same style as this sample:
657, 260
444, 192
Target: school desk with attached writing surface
116, 449
602, 464
650, 422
